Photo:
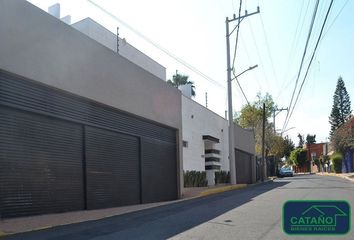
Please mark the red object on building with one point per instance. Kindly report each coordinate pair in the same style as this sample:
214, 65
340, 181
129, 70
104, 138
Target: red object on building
314, 151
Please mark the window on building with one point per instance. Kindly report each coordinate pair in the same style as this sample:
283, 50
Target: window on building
185, 144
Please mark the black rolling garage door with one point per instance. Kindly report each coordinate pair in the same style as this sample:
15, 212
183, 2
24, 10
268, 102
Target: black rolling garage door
112, 168
48, 136
159, 171
40, 164
243, 167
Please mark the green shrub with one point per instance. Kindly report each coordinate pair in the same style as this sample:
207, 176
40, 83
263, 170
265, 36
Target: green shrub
195, 179
222, 177
337, 162
299, 156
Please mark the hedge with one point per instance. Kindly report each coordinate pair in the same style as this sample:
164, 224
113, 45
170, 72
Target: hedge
195, 179
337, 162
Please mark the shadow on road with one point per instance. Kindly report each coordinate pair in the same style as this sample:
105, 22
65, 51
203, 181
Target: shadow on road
155, 223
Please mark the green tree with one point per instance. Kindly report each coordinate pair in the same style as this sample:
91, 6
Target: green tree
310, 139
267, 99
277, 146
179, 80
298, 156
341, 110
301, 140
288, 146
343, 137
251, 116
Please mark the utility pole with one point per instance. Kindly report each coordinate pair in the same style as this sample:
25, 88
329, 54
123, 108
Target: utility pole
206, 99
263, 145
274, 115
118, 40
229, 93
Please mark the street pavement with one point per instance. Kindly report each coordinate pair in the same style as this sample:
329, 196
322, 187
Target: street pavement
251, 213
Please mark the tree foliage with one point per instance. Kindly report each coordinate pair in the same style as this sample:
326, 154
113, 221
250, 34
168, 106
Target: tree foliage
341, 109
343, 138
277, 146
179, 80
337, 159
301, 140
298, 156
251, 116
310, 139
288, 146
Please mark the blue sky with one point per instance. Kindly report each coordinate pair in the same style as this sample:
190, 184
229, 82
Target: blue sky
194, 30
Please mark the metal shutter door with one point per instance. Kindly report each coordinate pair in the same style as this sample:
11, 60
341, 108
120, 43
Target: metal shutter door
41, 164
112, 168
243, 167
158, 171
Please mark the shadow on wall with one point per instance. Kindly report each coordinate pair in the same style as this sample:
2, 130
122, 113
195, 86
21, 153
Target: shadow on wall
160, 222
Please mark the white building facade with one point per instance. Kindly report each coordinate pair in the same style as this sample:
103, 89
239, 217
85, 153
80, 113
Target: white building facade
205, 143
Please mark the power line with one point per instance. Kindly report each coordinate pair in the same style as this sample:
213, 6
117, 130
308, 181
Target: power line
243, 93
340, 11
309, 65
238, 30
302, 60
189, 66
294, 45
234, 58
257, 50
249, 59
268, 48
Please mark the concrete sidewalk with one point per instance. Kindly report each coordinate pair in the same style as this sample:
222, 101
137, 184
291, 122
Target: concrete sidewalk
348, 176
32, 223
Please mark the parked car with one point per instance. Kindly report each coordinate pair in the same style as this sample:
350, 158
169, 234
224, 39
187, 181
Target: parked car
286, 172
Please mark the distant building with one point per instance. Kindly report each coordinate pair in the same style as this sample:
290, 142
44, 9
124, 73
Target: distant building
315, 151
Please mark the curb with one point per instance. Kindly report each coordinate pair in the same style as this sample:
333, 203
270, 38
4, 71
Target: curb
3, 234
201, 194
336, 175
221, 189
230, 188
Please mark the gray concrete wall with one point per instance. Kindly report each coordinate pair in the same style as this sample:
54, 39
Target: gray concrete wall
244, 140
38, 46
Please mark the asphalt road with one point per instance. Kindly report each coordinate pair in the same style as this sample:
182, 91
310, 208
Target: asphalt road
251, 213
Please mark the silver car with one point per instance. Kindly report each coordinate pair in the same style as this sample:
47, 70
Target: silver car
286, 172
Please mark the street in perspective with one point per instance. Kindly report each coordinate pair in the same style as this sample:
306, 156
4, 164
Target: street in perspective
251, 213
176, 119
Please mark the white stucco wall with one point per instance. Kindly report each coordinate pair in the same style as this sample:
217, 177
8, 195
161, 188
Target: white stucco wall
196, 122
109, 40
